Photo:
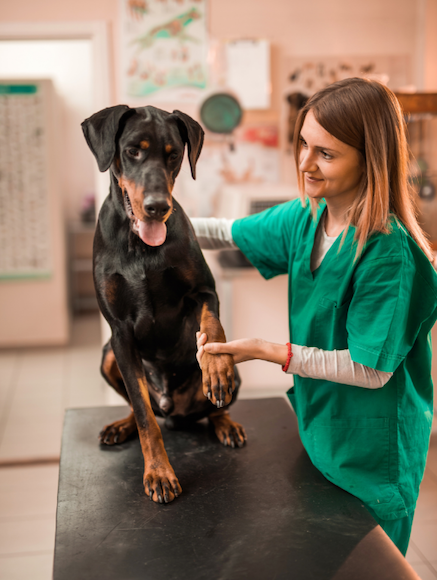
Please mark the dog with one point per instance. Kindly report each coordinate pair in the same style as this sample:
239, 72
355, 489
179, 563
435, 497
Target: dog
155, 289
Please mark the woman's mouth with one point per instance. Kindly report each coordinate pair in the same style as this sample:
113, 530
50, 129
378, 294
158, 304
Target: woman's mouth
312, 179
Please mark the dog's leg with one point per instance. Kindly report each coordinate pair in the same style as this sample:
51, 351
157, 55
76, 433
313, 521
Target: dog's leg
160, 481
229, 432
217, 369
118, 431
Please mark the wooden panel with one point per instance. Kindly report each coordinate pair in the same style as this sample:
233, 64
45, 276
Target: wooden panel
418, 102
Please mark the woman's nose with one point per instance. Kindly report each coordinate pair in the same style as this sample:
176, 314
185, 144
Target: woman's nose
307, 161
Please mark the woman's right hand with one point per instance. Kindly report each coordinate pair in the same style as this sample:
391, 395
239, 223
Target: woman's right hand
242, 350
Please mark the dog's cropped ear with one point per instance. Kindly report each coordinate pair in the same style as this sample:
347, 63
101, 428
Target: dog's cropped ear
192, 134
100, 130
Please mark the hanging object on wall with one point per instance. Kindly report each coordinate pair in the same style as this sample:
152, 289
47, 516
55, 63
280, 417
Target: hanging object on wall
221, 113
164, 49
296, 101
24, 204
309, 75
248, 72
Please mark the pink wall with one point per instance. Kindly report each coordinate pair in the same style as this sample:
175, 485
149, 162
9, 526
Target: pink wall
430, 68
308, 28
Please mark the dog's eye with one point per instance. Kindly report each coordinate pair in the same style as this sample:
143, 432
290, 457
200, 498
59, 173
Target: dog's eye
134, 153
173, 156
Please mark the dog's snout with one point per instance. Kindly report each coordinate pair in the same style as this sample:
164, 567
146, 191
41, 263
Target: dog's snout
156, 207
166, 404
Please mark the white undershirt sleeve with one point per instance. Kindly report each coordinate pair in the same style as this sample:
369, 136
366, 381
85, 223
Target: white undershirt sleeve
214, 233
336, 366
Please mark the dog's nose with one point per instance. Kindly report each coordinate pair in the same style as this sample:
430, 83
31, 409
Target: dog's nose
166, 404
156, 208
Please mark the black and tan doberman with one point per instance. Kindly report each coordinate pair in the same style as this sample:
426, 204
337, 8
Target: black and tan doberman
155, 289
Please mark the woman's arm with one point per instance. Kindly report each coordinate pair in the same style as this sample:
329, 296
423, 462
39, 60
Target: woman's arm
335, 365
213, 233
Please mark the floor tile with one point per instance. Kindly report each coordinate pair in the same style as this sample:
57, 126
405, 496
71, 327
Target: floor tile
41, 366
32, 438
426, 508
424, 571
86, 330
28, 491
424, 536
9, 362
26, 535
413, 556
25, 567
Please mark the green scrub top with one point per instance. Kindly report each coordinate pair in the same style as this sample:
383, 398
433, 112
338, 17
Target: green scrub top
372, 443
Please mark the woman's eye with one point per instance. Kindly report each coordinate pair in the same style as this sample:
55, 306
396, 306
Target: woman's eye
134, 153
326, 155
303, 143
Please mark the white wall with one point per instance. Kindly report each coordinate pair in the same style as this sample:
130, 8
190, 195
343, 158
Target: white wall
68, 63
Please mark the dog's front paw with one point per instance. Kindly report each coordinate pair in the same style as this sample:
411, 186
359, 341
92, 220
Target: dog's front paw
118, 431
161, 483
218, 378
229, 432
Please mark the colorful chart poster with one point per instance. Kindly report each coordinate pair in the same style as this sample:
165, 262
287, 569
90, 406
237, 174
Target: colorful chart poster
164, 48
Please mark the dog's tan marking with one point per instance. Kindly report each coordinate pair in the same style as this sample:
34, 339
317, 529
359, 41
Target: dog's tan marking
144, 144
211, 326
229, 432
110, 366
160, 481
136, 195
168, 148
217, 369
110, 290
119, 431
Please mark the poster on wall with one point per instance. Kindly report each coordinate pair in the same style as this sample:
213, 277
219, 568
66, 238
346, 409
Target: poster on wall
164, 49
308, 75
248, 72
25, 246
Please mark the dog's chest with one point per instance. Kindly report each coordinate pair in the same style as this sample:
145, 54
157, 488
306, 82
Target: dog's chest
162, 302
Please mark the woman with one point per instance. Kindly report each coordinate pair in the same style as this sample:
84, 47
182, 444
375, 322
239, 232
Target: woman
362, 299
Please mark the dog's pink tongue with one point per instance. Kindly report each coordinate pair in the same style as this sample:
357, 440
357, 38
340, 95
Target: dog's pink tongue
152, 233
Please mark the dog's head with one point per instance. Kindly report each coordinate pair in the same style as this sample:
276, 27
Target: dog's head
144, 148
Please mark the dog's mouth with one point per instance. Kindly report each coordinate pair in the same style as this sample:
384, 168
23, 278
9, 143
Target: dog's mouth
151, 232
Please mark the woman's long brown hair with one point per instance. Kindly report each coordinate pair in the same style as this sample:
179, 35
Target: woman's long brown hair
367, 115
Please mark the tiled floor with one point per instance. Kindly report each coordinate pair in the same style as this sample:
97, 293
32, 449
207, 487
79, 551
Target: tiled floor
36, 385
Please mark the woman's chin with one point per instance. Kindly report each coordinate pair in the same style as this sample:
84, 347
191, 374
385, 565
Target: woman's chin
312, 194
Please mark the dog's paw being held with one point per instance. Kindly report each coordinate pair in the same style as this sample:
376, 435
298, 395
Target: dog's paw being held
218, 378
161, 483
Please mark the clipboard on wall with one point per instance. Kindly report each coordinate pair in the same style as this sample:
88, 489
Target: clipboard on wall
248, 72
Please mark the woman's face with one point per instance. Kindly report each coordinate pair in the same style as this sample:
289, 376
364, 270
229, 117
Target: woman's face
331, 169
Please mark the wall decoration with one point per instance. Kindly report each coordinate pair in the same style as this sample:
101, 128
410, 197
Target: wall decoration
248, 72
164, 49
309, 75
25, 246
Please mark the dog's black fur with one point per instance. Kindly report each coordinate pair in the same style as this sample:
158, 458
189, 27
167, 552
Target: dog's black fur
155, 289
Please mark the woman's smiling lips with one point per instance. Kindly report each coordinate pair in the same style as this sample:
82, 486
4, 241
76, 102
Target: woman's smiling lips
312, 179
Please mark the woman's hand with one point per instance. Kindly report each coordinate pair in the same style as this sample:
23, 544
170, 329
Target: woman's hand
243, 349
